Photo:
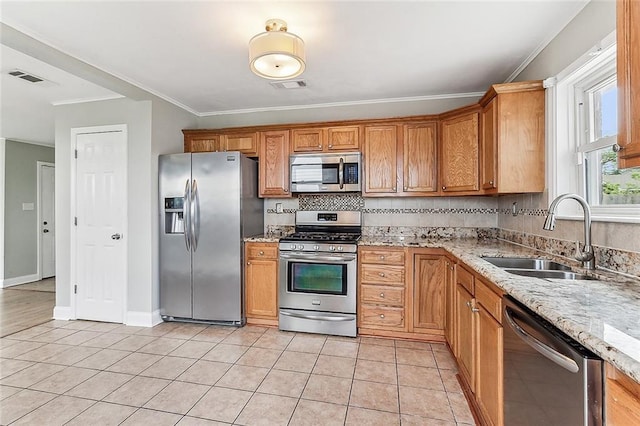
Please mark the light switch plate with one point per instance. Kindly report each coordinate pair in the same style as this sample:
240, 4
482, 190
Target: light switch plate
27, 206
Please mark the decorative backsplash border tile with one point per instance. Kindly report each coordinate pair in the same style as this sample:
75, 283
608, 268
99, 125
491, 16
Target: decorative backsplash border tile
625, 262
332, 202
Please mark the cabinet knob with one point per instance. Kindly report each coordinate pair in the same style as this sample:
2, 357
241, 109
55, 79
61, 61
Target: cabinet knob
381, 274
444, 187
475, 310
261, 253
381, 315
394, 188
382, 295
405, 188
330, 146
468, 304
319, 146
616, 148
491, 182
286, 190
248, 263
381, 257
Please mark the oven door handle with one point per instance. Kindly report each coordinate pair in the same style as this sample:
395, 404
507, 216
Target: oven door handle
318, 317
317, 258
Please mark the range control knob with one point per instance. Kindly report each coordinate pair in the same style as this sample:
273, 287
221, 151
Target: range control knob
316, 247
332, 248
293, 246
340, 248
301, 247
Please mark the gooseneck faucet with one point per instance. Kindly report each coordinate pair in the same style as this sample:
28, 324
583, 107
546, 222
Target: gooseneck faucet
585, 256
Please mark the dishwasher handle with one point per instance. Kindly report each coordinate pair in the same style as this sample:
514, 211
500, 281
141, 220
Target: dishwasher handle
548, 352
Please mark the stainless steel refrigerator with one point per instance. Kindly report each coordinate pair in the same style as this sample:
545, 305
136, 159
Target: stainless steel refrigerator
208, 203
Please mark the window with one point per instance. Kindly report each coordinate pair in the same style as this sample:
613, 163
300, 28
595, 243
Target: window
604, 183
582, 135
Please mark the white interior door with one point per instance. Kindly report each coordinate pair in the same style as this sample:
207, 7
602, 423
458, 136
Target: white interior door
101, 205
47, 221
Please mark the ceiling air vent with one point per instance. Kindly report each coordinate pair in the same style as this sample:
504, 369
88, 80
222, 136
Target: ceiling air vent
291, 84
26, 76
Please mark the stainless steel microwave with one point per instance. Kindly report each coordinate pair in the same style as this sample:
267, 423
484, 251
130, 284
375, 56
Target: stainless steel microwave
326, 172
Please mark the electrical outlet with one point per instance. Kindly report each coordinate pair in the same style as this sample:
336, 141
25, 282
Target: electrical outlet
278, 207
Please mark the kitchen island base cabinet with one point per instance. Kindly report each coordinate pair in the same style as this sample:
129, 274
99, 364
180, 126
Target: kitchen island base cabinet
261, 283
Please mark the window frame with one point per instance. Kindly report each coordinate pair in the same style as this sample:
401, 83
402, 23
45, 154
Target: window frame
565, 147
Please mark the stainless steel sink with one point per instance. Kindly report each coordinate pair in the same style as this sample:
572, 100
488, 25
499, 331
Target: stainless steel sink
563, 275
526, 263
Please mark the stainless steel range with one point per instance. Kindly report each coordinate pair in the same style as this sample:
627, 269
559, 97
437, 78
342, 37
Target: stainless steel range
317, 276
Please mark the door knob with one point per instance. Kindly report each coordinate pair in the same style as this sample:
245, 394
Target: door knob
116, 236
45, 230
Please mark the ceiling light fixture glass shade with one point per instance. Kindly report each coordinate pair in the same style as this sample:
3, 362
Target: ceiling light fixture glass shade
276, 54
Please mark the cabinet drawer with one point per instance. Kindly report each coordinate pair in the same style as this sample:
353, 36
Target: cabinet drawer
382, 316
382, 295
392, 275
261, 251
387, 257
489, 300
465, 279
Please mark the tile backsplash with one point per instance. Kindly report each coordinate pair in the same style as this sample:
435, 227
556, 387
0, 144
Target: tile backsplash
617, 244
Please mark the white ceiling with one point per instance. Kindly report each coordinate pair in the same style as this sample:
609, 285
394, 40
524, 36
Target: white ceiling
195, 53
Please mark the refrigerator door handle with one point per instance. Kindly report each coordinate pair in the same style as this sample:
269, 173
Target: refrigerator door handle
186, 211
195, 215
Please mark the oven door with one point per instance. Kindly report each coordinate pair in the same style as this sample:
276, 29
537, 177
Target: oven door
318, 281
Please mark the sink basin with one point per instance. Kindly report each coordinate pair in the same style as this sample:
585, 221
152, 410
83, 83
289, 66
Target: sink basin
526, 263
563, 275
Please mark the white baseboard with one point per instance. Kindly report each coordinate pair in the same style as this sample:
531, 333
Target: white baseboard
9, 282
62, 313
143, 319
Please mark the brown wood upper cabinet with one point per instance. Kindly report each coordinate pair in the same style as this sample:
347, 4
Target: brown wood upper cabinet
402, 152
459, 151
512, 138
628, 58
274, 164
420, 154
380, 159
208, 141
325, 139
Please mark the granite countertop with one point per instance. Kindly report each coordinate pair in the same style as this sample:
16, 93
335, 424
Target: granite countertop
602, 314
264, 238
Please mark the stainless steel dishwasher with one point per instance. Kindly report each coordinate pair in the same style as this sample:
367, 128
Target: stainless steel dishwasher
549, 378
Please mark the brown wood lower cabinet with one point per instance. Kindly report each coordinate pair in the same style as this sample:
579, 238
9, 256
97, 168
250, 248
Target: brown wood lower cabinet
382, 290
401, 292
489, 365
478, 340
622, 396
261, 283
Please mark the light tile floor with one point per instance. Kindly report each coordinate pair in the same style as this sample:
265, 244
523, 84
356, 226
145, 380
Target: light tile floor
82, 372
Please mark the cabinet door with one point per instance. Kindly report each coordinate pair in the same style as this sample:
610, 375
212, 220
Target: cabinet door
420, 158
465, 335
308, 140
202, 143
489, 145
489, 375
628, 58
380, 159
428, 292
343, 138
246, 143
459, 169
261, 288
274, 164
450, 306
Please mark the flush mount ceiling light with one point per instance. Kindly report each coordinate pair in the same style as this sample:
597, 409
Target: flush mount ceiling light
276, 54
